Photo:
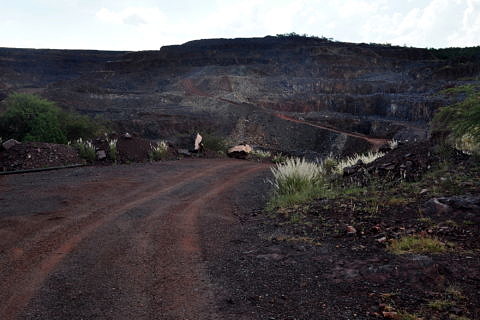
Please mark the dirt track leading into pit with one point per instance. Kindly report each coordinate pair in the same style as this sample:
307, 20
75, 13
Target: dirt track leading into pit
119, 242
375, 142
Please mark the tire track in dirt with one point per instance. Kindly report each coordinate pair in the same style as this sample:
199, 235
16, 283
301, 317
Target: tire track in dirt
22, 284
153, 256
190, 293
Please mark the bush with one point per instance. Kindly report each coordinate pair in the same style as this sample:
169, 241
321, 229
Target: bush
214, 143
459, 124
31, 118
77, 126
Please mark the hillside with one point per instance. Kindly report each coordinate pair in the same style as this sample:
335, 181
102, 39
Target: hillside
249, 89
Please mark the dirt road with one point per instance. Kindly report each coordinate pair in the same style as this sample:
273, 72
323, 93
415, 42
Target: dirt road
375, 142
120, 242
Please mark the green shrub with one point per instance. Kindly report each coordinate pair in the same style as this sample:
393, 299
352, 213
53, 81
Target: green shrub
31, 118
159, 152
80, 126
214, 143
459, 124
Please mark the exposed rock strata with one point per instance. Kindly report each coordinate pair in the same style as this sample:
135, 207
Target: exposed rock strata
236, 87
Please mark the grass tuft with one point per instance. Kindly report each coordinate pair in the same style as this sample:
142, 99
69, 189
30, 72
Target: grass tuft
296, 181
353, 160
440, 305
261, 154
417, 244
159, 152
112, 150
85, 149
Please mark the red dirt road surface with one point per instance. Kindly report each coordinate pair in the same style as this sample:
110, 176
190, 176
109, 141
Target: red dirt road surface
120, 242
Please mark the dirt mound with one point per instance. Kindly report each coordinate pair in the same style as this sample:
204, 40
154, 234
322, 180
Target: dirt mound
32, 155
129, 148
408, 162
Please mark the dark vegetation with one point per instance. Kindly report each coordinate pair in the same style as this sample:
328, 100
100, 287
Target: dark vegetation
456, 53
31, 118
459, 123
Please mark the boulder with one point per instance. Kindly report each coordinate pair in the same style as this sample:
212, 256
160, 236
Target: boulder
9, 143
101, 154
198, 146
466, 206
240, 152
184, 152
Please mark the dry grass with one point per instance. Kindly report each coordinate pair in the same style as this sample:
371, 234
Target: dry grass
159, 152
353, 160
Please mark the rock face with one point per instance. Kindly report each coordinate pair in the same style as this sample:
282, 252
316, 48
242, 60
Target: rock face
243, 88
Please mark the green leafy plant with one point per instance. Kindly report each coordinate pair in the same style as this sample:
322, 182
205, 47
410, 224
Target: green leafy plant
459, 124
31, 118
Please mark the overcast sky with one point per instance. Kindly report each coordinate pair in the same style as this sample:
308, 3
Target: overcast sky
150, 24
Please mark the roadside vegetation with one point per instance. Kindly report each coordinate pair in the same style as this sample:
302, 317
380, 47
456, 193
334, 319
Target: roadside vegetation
86, 149
296, 180
458, 125
215, 143
31, 118
417, 244
159, 152
112, 149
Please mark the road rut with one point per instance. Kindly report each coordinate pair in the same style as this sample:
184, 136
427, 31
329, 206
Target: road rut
114, 243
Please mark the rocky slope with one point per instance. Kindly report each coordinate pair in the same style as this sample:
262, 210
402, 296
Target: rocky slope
248, 89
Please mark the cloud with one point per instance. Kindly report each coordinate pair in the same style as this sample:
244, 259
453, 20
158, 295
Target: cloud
422, 23
135, 16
